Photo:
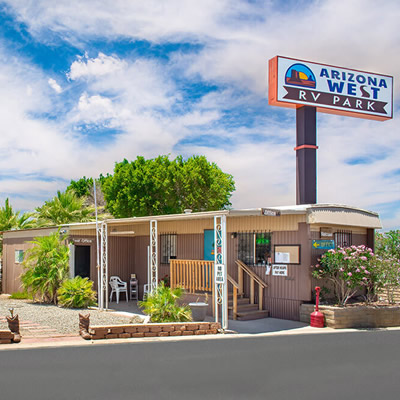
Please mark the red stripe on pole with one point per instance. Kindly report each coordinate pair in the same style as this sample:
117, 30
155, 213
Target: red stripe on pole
306, 146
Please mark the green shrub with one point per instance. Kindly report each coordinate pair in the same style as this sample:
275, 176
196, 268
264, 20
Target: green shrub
77, 293
161, 305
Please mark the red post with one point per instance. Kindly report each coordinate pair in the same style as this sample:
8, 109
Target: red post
317, 318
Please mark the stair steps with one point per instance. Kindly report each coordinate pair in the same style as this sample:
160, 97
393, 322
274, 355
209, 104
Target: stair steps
245, 311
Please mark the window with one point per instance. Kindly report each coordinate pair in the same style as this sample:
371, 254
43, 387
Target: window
254, 248
168, 247
19, 256
343, 239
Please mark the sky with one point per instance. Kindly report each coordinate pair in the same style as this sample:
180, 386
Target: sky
85, 84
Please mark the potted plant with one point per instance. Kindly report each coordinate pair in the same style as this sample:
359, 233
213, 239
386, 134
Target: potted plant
199, 309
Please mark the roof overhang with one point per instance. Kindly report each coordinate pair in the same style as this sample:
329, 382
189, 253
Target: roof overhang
333, 214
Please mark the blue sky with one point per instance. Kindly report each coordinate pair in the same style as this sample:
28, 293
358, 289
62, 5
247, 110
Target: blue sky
87, 84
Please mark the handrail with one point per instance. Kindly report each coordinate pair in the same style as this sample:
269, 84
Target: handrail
242, 267
252, 274
234, 283
235, 296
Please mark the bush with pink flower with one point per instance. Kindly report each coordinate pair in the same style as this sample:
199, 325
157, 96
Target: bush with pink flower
349, 269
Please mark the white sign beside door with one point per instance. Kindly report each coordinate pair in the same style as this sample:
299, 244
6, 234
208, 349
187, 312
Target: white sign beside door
279, 270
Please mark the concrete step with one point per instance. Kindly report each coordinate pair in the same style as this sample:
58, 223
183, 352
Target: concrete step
247, 307
251, 315
243, 300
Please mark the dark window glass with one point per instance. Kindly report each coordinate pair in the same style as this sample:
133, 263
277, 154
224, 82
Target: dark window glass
254, 248
343, 239
167, 247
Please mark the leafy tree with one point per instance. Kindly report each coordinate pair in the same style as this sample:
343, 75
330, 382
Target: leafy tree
84, 188
388, 244
64, 208
387, 249
77, 293
46, 266
161, 305
81, 187
161, 186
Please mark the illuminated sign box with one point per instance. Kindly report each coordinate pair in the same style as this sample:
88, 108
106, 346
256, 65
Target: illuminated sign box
335, 90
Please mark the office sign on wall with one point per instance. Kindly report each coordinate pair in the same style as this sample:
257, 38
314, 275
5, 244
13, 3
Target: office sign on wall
336, 90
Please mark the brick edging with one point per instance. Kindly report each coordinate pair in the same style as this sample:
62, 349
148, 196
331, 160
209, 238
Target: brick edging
153, 330
6, 337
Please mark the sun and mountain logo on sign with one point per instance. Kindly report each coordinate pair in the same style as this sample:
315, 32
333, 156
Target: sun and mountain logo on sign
331, 89
300, 75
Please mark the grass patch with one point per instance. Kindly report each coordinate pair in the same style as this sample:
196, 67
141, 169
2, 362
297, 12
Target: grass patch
21, 296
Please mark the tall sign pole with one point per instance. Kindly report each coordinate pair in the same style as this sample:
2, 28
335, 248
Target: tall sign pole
306, 155
310, 88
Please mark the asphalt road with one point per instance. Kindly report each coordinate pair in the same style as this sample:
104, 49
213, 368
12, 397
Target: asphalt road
361, 365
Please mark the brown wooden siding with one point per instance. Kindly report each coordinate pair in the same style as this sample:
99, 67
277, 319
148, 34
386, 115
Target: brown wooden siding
283, 295
11, 271
283, 308
261, 223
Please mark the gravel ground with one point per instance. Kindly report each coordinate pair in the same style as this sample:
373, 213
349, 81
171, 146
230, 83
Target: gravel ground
63, 320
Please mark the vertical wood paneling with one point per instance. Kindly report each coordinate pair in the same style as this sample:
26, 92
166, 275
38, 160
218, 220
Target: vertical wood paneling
284, 308
11, 281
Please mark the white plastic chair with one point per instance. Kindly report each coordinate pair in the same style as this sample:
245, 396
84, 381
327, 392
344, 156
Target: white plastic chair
118, 286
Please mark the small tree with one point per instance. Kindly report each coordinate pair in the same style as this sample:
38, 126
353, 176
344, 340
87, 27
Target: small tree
388, 244
388, 273
46, 266
387, 247
161, 305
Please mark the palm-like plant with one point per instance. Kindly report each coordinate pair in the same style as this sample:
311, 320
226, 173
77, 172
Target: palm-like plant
9, 219
46, 266
161, 305
77, 293
64, 208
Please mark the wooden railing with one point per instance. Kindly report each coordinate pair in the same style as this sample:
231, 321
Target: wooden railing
192, 275
235, 296
198, 275
242, 267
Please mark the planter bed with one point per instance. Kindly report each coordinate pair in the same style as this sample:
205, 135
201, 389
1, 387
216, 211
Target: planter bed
153, 330
355, 316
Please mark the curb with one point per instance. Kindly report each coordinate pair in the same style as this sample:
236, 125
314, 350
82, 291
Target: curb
77, 341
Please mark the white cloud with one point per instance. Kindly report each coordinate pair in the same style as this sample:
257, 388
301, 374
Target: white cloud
86, 67
54, 85
236, 39
94, 108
